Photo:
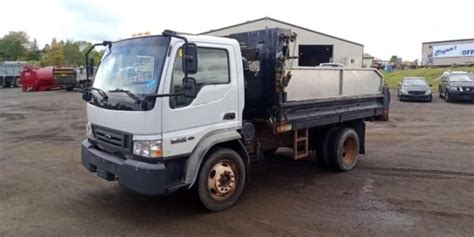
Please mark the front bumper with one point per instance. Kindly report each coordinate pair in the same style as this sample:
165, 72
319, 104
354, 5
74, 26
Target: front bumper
141, 177
418, 97
460, 95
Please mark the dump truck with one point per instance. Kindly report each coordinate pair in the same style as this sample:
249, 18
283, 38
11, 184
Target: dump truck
177, 111
10, 73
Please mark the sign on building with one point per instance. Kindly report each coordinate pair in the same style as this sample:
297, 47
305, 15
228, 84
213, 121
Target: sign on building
453, 50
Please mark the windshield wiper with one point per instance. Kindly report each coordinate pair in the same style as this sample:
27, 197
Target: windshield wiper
127, 92
101, 93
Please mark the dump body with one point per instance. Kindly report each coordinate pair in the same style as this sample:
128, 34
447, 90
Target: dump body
10, 73
304, 97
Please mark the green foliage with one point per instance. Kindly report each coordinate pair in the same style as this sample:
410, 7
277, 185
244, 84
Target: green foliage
432, 75
17, 46
34, 53
395, 59
14, 46
55, 55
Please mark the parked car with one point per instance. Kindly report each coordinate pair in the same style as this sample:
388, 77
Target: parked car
414, 88
457, 85
338, 65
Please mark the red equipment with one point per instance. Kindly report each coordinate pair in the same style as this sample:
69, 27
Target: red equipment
37, 79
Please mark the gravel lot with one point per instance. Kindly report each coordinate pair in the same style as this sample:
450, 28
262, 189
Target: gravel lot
416, 179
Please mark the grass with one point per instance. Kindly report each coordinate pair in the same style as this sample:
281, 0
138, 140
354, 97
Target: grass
432, 75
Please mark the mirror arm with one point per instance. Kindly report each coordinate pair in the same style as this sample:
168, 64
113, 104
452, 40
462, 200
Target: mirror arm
171, 33
105, 43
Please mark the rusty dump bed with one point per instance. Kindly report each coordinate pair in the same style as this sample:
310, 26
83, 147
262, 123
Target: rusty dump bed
304, 97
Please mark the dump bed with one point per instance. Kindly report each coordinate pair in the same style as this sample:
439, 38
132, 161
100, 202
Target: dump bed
304, 97
310, 83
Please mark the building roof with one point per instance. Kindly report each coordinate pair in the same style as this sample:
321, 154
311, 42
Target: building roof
282, 22
448, 41
368, 56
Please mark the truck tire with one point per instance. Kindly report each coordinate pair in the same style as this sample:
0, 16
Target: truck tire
17, 82
7, 84
221, 179
343, 149
321, 146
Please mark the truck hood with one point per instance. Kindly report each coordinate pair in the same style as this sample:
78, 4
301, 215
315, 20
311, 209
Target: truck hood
462, 83
134, 122
416, 88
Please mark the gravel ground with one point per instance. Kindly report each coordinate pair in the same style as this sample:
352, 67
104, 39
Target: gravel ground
417, 178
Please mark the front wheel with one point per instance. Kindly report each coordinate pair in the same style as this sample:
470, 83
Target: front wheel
447, 96
221, 179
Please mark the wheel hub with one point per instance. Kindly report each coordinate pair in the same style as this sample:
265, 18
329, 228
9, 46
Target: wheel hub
221, 181
349, 149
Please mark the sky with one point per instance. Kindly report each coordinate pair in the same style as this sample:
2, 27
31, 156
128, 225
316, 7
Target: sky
385, 28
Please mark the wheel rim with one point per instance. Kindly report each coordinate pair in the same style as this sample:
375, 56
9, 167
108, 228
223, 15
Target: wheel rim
222, 180
349, 151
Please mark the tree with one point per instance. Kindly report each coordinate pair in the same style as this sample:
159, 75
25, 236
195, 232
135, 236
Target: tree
14, 46
55, 55
72, 53
33, 51
395, 59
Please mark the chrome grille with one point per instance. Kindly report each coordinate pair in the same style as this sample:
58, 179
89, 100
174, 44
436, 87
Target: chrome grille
111, 137
416, 92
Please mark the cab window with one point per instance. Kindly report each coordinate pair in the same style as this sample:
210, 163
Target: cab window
213, 68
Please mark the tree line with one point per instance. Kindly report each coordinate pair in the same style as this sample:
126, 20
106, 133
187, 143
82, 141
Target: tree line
17, 46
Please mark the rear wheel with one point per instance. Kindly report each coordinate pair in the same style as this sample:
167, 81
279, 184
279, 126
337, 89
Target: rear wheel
7, 84
221, 179
17, 82
321, 146
343, 149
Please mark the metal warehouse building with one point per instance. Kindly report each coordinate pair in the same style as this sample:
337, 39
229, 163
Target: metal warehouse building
447, 53
312, 47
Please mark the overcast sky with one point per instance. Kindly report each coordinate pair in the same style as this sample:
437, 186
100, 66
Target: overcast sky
383, 27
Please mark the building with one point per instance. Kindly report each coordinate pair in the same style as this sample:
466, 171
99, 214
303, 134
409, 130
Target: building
447, 53
367, 60
312, 47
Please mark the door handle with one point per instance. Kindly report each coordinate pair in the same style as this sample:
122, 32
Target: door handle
229, 116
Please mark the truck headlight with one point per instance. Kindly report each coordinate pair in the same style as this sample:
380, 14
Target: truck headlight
404, 92
453, 88
428, 92
152, 148
89, 131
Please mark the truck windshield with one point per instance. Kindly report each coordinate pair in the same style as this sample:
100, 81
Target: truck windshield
133, 65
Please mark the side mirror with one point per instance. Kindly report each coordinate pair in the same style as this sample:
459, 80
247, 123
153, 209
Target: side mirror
189, 87
87, 95
430, 85
190, 59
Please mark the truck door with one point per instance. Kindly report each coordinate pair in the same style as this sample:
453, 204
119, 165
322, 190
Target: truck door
216, 107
